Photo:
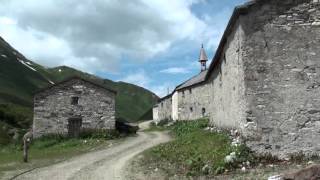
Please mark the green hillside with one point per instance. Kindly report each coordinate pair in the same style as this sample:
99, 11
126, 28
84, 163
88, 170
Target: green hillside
20, 78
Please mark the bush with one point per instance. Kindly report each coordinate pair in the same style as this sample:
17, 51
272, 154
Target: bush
16, 116
163, 122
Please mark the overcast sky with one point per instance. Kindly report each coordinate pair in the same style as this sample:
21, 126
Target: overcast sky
151, 43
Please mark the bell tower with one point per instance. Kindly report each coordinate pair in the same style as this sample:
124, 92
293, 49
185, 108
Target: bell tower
203, 59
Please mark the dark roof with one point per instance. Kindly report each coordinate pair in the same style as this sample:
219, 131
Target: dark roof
76, 77
165, 97
203, 55
201, 77
239, 10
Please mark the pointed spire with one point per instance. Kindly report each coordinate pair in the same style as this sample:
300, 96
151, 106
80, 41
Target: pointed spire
203, 55
203, 58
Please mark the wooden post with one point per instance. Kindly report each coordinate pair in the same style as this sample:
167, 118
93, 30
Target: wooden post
26, 141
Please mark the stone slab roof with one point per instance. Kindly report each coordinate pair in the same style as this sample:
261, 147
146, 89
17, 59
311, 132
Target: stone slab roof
76, 77
194, 80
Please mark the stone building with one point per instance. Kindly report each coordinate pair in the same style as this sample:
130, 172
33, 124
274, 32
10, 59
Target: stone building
163, 110
71, 106
264, 78
190, 100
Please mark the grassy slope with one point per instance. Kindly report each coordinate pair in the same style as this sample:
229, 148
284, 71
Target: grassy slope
192, 150
130, 102
17, 82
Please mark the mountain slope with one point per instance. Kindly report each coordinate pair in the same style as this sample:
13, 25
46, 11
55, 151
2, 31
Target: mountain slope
20, 78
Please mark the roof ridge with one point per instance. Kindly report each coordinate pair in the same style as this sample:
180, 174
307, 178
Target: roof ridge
75, 77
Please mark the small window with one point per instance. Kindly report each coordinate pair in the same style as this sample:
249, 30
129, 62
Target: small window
75, 100
191, 109
183, 94
190, 91
203, 111
162, 104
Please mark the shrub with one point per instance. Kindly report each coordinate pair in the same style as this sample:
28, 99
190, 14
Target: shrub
163, 122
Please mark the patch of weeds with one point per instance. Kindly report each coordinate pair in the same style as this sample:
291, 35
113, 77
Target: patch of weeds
163, 122
162, 125
99, 134
154, 127
267, 158
300, 157
297, 157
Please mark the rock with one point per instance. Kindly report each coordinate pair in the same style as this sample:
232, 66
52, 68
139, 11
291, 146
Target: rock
310, 162
276, 177
243, 169
233, 154
228, 159
315, 24
248, 163
312, 10
205, 168
271, 165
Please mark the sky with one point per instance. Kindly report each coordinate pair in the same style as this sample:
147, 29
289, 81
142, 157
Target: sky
151, 43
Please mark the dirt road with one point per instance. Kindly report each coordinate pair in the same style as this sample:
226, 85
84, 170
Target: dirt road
104, 164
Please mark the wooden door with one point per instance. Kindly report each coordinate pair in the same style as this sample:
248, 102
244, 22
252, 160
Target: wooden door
74, 126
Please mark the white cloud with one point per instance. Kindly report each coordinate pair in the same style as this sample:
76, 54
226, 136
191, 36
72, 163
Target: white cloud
163, 89
139, 78
175, 70
93, 35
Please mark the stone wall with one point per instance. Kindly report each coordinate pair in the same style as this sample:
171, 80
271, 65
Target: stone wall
155, 113
164, 108
226, 83
281, 55
53, 108
175, 107
267, 80
194, 102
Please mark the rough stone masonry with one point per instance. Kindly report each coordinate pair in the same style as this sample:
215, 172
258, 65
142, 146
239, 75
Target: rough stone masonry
280, 51
264, 79
72, 106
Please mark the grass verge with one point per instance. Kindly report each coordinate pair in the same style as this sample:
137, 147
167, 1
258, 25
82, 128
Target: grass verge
195, 152
51, 149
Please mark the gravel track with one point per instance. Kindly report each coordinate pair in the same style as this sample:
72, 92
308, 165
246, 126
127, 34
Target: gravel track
109, 163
